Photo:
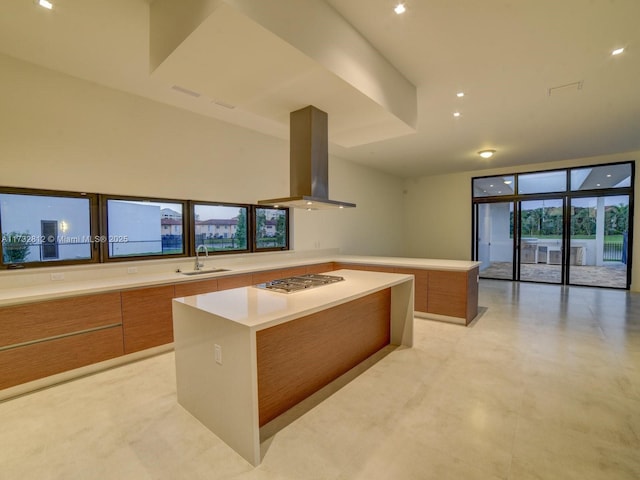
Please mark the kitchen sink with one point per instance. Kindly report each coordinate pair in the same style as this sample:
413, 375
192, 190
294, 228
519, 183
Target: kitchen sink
202, 272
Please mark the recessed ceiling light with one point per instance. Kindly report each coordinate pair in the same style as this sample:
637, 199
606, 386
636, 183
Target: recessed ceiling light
460, 94
597, 184
45, 4
486, 153
507, 182
608, 175
490, 186
456, 114
617, 51
400, 8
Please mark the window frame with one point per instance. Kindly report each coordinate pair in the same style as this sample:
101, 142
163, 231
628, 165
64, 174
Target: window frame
192, 226
94, 227
254, 239
104, 230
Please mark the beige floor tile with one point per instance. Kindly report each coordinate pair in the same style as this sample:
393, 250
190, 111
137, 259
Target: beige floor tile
544, 385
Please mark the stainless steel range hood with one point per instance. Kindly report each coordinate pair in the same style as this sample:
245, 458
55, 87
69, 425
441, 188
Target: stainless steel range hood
309, 163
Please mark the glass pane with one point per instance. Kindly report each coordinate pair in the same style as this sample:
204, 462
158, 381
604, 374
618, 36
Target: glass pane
38, 228
599, 241
221, 228
142, 228
493, 186
606, 176
543, 182
541, 240
495, 240
271, 228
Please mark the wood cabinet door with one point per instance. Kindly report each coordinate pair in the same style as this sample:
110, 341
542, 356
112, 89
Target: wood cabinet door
320, 268
147, 318
421, 286
261, 277
234, 281
447, 293
196, 288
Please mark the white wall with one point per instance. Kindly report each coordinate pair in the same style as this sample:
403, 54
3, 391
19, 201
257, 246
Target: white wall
438, 210
59, 132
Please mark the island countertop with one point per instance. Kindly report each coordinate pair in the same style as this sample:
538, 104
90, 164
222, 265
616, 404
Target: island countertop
261, 308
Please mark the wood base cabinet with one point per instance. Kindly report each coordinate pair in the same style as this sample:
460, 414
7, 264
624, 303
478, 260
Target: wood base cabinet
146, 317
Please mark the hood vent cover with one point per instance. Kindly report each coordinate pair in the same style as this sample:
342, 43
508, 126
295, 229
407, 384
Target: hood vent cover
309, 163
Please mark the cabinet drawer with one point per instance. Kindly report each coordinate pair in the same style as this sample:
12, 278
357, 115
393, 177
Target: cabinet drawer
35, 321
31, 362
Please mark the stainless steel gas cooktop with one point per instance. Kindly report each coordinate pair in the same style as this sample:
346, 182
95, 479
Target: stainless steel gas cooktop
299, 282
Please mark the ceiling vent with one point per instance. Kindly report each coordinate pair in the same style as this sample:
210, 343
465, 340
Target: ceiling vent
569, 87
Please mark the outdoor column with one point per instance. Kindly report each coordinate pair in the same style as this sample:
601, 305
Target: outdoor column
600, 232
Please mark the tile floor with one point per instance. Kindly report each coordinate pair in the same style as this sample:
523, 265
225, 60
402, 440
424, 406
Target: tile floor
544, 385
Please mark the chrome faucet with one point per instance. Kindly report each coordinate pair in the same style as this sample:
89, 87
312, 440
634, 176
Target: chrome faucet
199, 265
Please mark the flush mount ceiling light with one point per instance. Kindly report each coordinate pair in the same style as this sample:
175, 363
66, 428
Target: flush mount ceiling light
400, 9
486, 153
617, 51
45, 4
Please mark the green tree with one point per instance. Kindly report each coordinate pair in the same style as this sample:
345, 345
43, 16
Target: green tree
241, 229
14, 247
281, 229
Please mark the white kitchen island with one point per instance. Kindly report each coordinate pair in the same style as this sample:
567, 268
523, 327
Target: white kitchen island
246, 355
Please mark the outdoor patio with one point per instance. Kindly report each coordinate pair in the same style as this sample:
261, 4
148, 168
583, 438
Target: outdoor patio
612, 274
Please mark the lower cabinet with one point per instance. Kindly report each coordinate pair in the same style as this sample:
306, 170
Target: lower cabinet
42, 359
45, 338
146, 317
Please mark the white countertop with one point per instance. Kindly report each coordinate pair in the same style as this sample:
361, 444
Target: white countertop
259, 308
19, 286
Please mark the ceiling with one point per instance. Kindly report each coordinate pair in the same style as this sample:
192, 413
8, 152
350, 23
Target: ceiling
505, 55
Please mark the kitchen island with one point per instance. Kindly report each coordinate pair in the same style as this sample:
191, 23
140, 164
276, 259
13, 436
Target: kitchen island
245, 356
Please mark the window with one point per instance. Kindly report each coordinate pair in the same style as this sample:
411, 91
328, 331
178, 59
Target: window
221, 227
272, 228
136, 227
605, 176
40, 227
543, 182
493, 186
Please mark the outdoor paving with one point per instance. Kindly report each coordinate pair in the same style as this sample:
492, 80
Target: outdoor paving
612, 274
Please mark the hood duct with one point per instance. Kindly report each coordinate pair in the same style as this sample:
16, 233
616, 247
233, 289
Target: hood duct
309, 163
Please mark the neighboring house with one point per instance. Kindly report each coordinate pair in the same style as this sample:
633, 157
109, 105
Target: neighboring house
270, 227
217, 227
171, 226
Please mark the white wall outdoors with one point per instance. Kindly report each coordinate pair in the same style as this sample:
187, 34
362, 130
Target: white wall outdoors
62, 133
438, 210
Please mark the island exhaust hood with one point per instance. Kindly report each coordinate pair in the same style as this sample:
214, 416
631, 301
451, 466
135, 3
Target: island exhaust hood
309, 163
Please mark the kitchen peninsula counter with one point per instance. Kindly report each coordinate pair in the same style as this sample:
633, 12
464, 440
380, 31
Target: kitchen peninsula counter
245, 356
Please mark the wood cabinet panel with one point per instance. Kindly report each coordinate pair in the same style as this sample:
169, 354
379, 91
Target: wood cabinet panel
421, 285
369, 268
34, 321
297, 358
147, 317
234, 281
472, 294
196, 288
447, 293
261, 277
320, 268
31, 362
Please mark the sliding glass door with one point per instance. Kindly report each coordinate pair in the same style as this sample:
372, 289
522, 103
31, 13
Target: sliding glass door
541, 244
495, 240
599, 234
567, 226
